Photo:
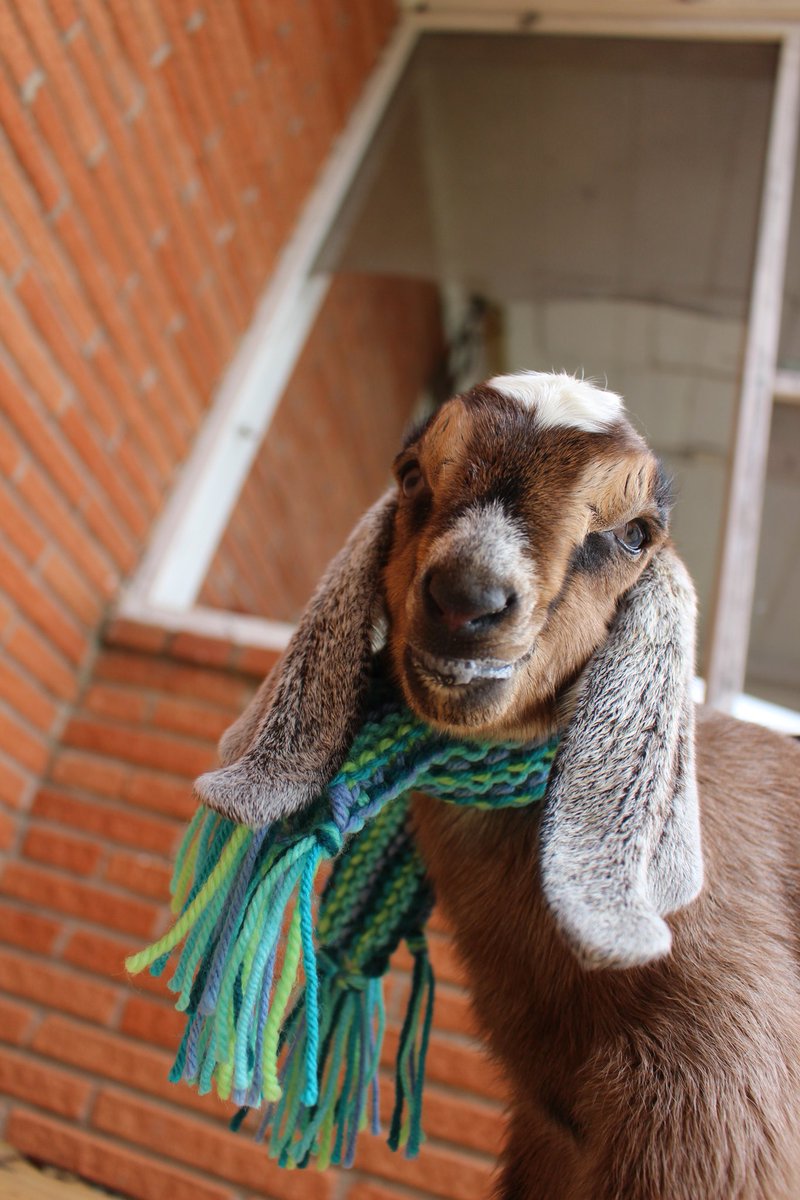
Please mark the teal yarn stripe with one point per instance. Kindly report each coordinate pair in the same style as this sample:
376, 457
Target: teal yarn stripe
303, 1043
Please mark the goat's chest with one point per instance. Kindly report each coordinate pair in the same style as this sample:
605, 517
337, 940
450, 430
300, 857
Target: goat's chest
540, 1019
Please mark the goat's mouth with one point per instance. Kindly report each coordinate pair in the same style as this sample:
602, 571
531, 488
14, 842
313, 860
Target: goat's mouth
458, 672
458, 692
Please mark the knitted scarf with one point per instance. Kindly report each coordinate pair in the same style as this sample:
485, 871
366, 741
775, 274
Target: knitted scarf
308, 1052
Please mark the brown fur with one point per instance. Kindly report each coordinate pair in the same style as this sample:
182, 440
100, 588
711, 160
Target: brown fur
677, 1080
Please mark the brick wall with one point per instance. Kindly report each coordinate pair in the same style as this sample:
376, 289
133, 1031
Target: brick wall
327, 454
153, 159
85, 1051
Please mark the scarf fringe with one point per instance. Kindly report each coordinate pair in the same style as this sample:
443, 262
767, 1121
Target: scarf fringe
278, 1023
316, 1071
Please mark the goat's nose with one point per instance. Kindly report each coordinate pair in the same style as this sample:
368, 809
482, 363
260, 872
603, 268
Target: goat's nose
466, 602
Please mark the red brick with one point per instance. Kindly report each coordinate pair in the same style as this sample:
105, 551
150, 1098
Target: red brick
119, 703
139, 873
104, 525
162, 794
54, 319
67, 584
8, 830
31, 354
108, 821
63, 990
116, 1058
211, 652
196, 720
440, 1171
29, 930
460, 1119
99, 953
131, 744
136, 636
161, 675
22, 744
454, 1012
17, 526
70, 97
15, 1021
33, 154
255, 661
153, 1022
15, 785
64, 895
101, 1161
12, 253
70, 853
452, 1062
12, 453
105, 956
37, 605
25, 697
192, 1140
33, 652
364, 1190
43, 1085
86, 444
65, 13
88, 773
68, 532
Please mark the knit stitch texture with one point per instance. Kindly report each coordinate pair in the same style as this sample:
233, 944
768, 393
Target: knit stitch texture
304, 1045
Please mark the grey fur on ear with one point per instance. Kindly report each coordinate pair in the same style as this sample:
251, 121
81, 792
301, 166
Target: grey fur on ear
293, 737
620, 835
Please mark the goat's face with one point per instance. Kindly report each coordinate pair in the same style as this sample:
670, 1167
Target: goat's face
527, 508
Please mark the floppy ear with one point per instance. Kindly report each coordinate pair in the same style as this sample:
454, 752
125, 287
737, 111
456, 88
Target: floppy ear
294, 736
620, 834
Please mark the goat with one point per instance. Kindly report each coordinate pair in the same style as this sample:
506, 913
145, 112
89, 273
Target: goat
523, 576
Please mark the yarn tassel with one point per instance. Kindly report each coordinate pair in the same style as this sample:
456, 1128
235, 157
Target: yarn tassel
231, 919
284, 1007
406, 1126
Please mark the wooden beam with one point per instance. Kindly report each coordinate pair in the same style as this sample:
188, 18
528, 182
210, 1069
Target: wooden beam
730, 628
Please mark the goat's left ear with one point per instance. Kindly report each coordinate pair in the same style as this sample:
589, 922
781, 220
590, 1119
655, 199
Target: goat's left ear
620, 835
293, 738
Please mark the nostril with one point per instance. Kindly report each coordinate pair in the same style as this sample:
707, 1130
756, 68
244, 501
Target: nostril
429, 596
466, 602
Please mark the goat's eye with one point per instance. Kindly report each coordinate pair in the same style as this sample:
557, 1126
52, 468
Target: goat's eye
631, 537
412, 479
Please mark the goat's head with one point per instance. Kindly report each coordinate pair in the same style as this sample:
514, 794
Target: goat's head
526, 509
523, 567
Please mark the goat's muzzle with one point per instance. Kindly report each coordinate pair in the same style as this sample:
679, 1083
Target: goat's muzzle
466, 640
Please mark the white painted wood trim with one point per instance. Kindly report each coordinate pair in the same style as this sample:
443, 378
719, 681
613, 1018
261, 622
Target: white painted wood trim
787, 386
580, 22
730, 628
759, 712
186, 537
239, 629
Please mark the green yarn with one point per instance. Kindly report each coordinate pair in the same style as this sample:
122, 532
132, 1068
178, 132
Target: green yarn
284, 1011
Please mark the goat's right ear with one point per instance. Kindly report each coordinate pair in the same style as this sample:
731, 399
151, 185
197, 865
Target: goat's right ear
293, 738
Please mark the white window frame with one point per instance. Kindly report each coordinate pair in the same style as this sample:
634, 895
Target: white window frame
164, 590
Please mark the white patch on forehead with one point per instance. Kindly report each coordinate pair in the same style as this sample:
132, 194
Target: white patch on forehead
561, 400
